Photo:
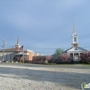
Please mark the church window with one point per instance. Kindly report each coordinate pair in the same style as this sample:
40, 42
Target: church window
74, 39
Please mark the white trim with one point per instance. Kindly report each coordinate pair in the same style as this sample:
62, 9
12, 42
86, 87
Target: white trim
29, 50
21, 53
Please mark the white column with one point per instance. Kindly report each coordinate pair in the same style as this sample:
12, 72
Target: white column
73, 56
12, 55
79, 57
5, 56
8, 56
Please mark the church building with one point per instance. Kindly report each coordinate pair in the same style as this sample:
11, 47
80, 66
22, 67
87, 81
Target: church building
75, 50
17, 53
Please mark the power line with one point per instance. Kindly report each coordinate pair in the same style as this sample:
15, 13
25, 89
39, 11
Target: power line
47, 47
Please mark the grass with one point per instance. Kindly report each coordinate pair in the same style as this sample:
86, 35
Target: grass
86, 64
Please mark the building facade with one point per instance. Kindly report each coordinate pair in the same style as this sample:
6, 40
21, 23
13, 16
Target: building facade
75, 50
17, 53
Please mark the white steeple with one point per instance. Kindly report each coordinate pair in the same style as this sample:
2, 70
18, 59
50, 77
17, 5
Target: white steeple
18, 41
18, 44
74, 37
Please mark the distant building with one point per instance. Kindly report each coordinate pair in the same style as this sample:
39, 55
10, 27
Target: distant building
17, 53
75, 50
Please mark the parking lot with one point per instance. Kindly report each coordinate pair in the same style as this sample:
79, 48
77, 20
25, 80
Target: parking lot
43, 77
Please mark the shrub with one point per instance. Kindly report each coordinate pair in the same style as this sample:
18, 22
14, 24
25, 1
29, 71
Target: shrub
63, 58
85, 57
49, 58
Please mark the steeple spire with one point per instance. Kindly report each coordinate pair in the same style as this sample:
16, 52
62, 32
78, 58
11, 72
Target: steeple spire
18, 41
74, 37
74, 30
18, 44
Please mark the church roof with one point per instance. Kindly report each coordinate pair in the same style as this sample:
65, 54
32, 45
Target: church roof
76, 49
14, 49
9, 49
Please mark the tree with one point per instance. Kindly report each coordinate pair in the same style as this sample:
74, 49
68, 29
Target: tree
63, 58
85, 57
49, 57
57, 53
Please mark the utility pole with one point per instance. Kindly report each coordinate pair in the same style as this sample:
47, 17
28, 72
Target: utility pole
23, 55
4, 44
12, 53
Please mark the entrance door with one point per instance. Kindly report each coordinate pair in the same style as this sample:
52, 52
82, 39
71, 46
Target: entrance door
76, 57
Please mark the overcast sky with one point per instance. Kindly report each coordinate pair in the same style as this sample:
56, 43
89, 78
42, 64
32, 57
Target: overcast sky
44, 25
